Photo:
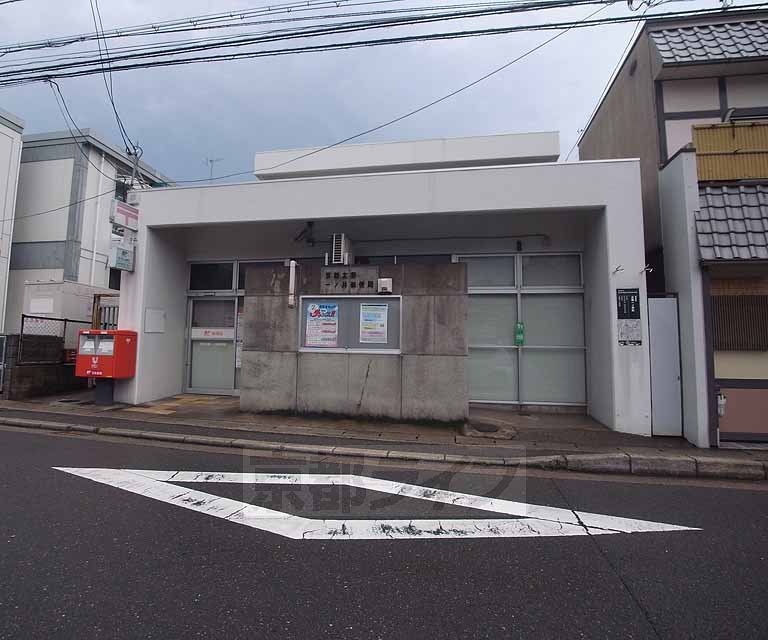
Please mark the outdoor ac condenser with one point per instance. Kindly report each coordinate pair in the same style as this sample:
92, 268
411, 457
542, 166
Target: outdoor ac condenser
341, 249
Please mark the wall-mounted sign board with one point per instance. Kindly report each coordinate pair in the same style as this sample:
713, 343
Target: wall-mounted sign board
628, 313
121, 257
350, 323
349, 281
124, 215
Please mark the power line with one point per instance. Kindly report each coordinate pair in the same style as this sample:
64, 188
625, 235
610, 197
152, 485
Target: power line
84, 54
65, 71
65, 206
315, 31
65, 113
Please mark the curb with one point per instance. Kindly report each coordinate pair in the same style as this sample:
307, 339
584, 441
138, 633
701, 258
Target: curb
687, 466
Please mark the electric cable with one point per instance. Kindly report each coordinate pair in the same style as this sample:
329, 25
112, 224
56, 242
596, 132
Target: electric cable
63, 71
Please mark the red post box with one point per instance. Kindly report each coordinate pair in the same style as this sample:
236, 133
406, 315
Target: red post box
106, 354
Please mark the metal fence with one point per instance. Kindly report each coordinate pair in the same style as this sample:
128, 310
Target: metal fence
47, 340
105, 310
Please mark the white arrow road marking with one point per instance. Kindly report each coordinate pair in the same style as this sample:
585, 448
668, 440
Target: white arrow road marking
531, 521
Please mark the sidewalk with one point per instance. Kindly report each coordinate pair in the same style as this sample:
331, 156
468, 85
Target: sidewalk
551, 441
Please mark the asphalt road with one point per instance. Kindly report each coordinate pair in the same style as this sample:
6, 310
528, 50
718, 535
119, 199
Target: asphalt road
80, 559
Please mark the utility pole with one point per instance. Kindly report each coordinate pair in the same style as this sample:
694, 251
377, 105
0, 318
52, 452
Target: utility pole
210, 162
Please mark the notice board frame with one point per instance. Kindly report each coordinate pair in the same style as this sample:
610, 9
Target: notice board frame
360, 299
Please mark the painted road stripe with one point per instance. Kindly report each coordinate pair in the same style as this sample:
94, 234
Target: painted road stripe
531, 521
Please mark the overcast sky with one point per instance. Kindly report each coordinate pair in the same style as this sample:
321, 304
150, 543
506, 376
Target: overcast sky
229, 110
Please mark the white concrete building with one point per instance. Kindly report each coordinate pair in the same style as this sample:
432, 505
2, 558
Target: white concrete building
11, 129
62, 230
555, 247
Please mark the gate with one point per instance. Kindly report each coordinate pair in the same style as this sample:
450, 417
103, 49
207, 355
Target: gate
666, 385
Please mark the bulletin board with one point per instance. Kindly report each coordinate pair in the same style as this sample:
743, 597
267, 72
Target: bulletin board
350, 323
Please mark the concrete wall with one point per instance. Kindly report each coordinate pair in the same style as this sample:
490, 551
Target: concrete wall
43, 185
625, 127
679, 193
160, 356
10, 159
426, 381
598, 312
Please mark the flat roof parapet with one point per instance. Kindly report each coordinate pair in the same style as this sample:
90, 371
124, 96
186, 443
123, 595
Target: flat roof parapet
442, 153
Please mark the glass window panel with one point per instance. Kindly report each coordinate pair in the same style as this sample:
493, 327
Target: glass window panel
208, 277
551, 271
553, 319
494, 271
106, 345
493, 375
213, 313
213, 364
87, 345
552, 375
492, 319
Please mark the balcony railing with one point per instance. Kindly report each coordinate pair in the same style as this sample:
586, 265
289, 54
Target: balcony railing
732, 150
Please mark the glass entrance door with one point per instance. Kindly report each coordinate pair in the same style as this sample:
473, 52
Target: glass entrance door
212, 348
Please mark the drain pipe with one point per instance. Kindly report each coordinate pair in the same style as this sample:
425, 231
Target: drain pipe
292, 284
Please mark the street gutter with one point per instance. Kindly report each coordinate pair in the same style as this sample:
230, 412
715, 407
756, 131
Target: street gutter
645, 464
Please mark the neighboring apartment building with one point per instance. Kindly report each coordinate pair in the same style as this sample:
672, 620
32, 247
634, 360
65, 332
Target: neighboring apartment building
691, 101
62, 229
678, 73
11, 128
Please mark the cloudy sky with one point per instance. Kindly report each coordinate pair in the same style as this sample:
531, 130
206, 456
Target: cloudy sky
229, 110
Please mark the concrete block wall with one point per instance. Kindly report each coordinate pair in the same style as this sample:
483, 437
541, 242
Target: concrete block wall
427, 381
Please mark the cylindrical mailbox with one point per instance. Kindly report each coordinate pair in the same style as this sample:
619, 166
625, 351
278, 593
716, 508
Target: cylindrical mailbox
106, 354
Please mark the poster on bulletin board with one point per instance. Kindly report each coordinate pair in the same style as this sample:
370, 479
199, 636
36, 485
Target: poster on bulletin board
322, 325
373, 323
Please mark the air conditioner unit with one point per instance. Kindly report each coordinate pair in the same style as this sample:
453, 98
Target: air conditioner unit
341, 249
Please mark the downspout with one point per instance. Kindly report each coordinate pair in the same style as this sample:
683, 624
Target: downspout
96, 225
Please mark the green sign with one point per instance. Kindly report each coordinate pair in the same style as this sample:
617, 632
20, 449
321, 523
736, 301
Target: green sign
519, 334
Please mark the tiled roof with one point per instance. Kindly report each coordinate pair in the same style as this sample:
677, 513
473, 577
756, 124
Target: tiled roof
732, 223
712, 42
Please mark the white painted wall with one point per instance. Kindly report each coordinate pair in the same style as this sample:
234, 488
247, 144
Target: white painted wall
159, 282
690, 95
96, 225
747, 91
598, 312
17, 280
679, 192
414, 154
42, 186
680, 132
10, 159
